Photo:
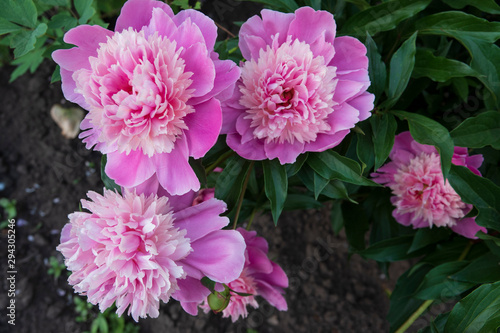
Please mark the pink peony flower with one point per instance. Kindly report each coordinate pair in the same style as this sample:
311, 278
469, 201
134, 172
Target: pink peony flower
421, 196
260, 277
152, 88
301, 89
136, 250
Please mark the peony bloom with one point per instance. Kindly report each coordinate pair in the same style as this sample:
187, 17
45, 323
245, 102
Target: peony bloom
421, 196
260, 277
301, 89
152, 88
136, 250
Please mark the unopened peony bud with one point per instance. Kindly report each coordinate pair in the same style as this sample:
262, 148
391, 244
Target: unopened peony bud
218, 301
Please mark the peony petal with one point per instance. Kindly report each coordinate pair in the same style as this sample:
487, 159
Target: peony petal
202, 219
137, 13
191, 290
468, 227
161, 23
206, 25
364, 104
276, 278
69, 86
203, 127
285, 152
251, 150
87, 38
174, 172
199, 63
219, 255
129, 170
226, 75
350, 55
309, 25
347, 89
258, 262
276, 23
272, 295
252, 28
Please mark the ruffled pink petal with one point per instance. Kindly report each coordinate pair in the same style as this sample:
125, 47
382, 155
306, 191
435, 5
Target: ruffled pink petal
137, 13
202, 219
347, 89
258, 262
190, 290
174, 172
206, 25
148, 187
468, 227
309, 25
285, 152
350, 55
251, 29
199, 63
190, 307
68, 88
251, 150
129, 170
161, 23
251, 239
326, 141
226, 74
276, 23
271, 295
218, 255
87, 38
203, 127
276, 278
364, 104
342, 118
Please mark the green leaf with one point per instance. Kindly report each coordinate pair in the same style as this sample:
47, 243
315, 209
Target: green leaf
315, 4
84, 9
199, 170
429, 132
6, 26
22, 12
208, 283
331, 165
29, 61
389, 250
438, 284
480, 192
437, 325
459, 25
56, 76
301, 201
401, 67
230, 180
440, 69
482, 270
319, 184
488, 6
478, 312
335, 189
24, 41
56, 2
383, 129
356, 225
376, 68
428, 236
479, 131
477, 35
383, 17
62, 20
364, 146
403, 304
108, 182
336, 218
289, 6
276, 186
292, 169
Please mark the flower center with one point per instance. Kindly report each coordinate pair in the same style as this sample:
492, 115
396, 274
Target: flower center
138, 90
420, 188
288, 93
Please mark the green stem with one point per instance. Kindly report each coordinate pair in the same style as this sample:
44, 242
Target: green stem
427, 303
414, 316
221, 158
250, 220
242, 195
